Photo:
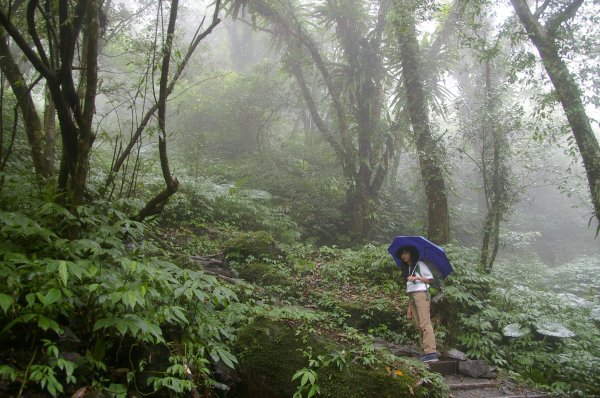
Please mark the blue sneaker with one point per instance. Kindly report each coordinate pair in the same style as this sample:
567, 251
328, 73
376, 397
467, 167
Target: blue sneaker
432, 357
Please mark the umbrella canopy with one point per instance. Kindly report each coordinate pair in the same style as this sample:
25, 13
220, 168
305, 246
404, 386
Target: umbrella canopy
428, 252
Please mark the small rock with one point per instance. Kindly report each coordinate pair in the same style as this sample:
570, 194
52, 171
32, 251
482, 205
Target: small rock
489, 375
405, 350
473, 368
455, 354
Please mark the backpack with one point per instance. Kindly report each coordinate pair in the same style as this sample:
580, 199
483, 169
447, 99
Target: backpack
437, 288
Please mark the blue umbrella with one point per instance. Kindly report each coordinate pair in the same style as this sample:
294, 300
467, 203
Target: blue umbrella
428, 252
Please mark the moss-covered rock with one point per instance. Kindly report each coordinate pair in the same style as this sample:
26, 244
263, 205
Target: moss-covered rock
367, 315
262, 274
257, 244
271, 352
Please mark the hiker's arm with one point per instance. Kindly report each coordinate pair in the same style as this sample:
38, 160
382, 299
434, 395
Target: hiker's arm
420, 279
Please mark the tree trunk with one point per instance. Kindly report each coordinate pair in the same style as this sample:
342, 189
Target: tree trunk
136, 136
89, 89
31, 119
428, 151
240, 41
50, 132
156, 204
491, 182
567, 89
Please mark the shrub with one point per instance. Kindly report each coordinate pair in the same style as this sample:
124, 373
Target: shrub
247, 246
72, 308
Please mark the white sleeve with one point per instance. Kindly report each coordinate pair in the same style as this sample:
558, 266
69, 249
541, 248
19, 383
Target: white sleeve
425, 271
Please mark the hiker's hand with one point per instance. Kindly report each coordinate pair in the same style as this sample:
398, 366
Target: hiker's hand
413, 278
409, 313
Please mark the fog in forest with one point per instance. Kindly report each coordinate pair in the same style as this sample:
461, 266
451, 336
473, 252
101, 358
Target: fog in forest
353, 190
552, 217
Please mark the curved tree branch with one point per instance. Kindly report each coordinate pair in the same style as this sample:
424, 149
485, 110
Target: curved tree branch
24, 46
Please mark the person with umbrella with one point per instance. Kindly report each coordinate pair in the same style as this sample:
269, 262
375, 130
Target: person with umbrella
417, 257
418, 278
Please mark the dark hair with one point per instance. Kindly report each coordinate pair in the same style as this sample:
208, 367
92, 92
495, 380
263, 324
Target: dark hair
414, 257
414, 253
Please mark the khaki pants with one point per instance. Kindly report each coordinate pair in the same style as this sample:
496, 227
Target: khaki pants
420, 306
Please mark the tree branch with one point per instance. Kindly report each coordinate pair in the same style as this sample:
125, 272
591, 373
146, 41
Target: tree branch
312, 108
146, 119
24, 46
564, 15
443, 34
540, 10
31, 119
33, 32
531, 24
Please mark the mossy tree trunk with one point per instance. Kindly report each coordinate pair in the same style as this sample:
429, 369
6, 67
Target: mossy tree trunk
493, 187
428, 149
545, 39
31, 119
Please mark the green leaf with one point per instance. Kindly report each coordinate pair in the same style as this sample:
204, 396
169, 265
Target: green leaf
220, 353
5, 302
103, 323
311, 377
121, 326
298, 374
8, 373
304, 378
178, 312
40, 297
63, 272
118, 390
130, 298
47, 323
52, 296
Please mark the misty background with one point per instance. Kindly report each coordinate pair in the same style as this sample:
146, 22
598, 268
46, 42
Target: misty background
236, 104
193, 190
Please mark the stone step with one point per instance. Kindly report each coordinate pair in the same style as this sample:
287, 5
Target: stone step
509, 396
467, 387
525, 396
444, 367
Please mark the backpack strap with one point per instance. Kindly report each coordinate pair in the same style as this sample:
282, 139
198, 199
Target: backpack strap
417, 269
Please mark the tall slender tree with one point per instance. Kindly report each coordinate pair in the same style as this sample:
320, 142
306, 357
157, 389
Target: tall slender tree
413, 60
546, 27
31, 120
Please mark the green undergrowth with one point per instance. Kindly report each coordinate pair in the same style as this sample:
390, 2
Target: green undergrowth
85, 295
93, 300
